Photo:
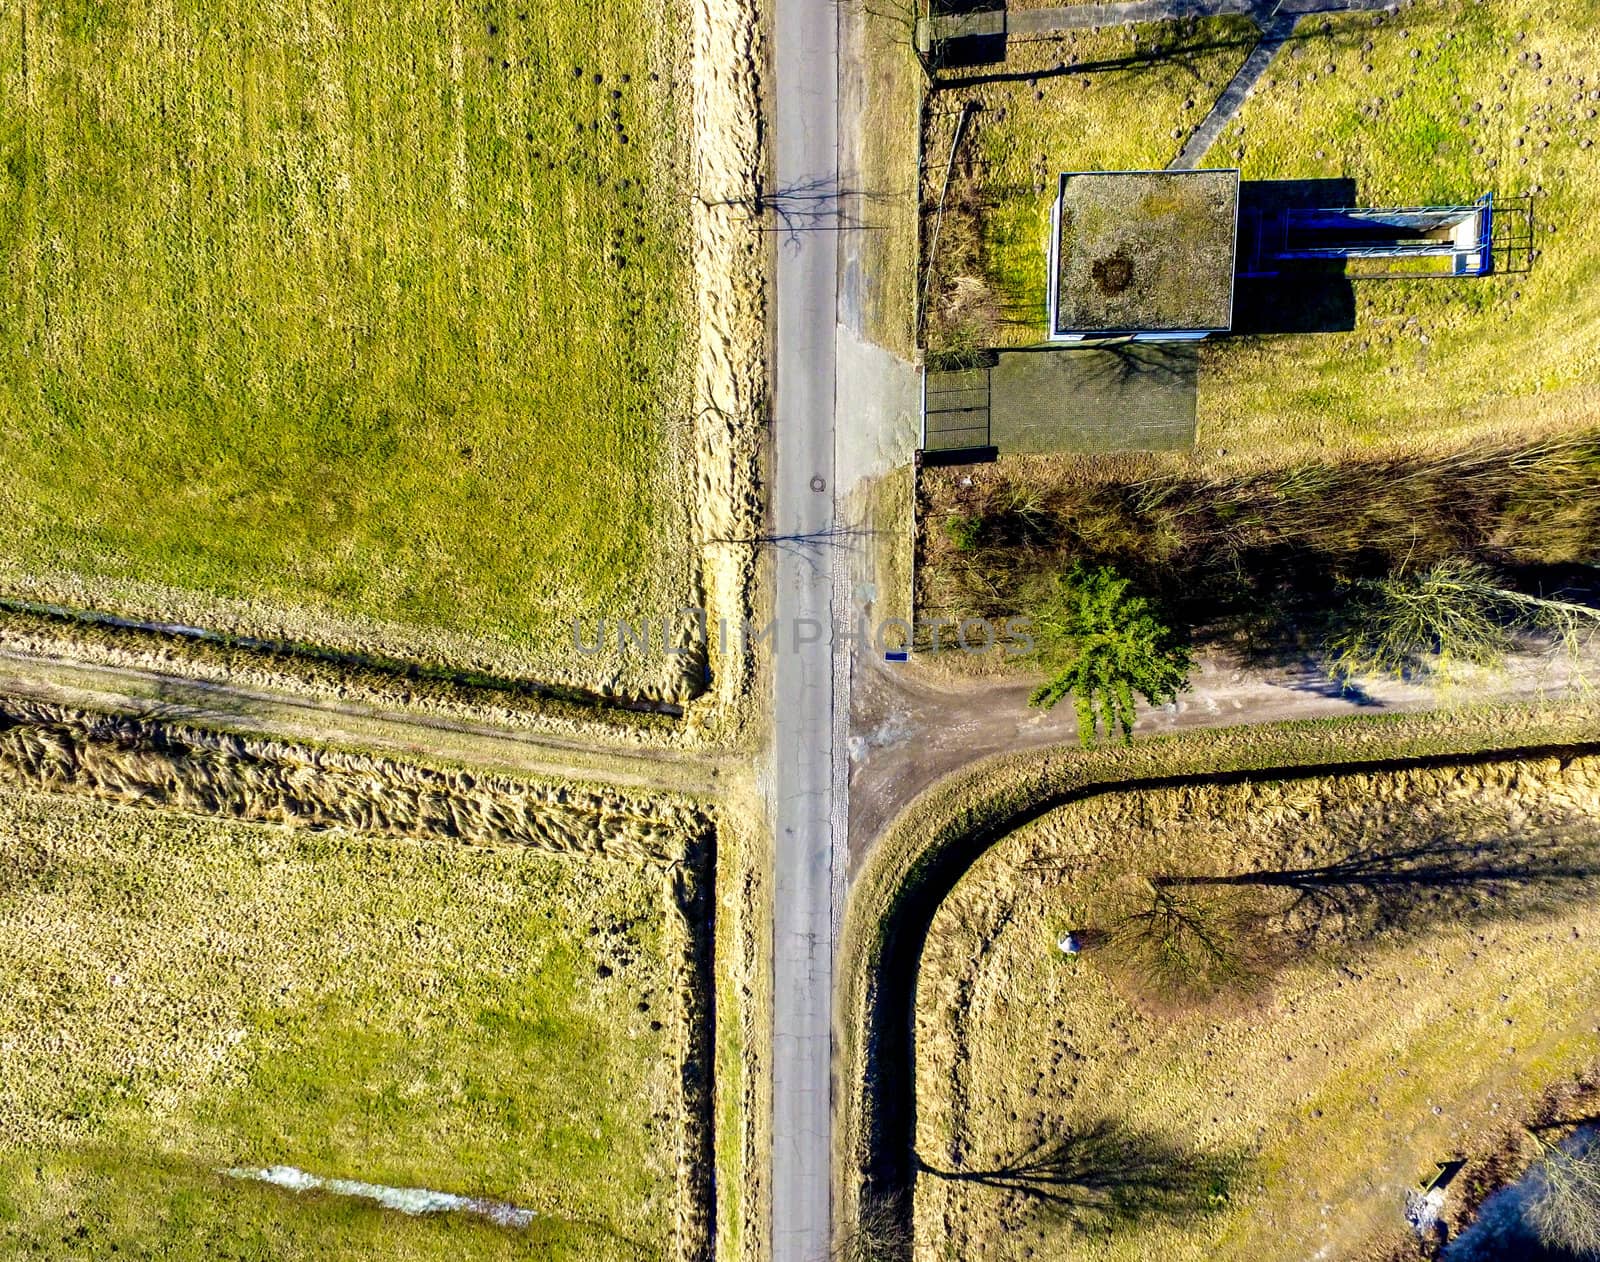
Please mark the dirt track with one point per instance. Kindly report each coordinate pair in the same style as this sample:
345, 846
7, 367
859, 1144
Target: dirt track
911, 726
354, 724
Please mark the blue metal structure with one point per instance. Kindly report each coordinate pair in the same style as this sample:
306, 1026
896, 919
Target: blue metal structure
1461, 234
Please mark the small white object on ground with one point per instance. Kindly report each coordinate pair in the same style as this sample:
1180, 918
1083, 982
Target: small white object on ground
1422, 1211
406, 1200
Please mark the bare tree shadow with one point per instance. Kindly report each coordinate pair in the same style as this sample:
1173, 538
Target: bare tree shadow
1262, 563
986, 50
816, 205
1400, 886
1107, 1175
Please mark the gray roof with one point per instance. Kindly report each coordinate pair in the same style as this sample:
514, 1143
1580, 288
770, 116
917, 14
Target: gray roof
1145, 251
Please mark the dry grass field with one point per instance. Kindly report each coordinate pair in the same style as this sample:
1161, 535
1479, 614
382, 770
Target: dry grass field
1427, 968
365, 326
188, 995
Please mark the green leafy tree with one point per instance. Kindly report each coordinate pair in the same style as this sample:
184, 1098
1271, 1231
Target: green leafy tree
1452, 614
1103, 644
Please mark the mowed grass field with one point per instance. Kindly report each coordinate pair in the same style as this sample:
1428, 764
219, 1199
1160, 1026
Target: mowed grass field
1444, 102
185, 995
367, 325
1415, 1018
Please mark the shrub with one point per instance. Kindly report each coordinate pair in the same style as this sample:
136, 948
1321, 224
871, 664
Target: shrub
1565, 1212
964, 532
1452, 613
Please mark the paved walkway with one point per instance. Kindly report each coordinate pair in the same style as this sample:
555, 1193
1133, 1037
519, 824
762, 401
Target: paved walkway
1277, 23
1273, 37
1077, 17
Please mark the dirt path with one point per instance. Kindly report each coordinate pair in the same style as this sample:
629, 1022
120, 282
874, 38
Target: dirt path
911, 727
354, 724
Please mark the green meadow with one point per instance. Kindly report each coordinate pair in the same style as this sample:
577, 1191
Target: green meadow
363, 325
186, 996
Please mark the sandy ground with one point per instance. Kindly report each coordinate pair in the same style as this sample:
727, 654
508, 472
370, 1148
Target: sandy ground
911, 725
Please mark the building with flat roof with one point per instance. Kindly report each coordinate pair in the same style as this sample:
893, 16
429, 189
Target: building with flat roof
1146, 255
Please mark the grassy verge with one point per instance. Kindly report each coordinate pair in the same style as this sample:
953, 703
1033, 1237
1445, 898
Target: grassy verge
744, 1006
1438, 104
189, 994
362, 327
890, 107
1405, 1014
926, 851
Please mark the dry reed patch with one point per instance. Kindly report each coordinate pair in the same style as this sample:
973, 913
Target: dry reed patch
426, 978
1410, 1009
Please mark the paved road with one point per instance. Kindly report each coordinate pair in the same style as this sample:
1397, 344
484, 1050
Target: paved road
806, 158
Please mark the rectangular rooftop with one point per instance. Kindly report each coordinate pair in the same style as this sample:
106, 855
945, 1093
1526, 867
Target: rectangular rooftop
1147, 254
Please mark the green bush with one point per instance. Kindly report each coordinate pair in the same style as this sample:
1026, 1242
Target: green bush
964, 532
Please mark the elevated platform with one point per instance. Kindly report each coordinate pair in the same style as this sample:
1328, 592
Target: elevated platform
1375, 241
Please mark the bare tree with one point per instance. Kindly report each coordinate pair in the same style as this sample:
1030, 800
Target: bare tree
1104, 1174
1565, 1211
1451, 614
881, 1233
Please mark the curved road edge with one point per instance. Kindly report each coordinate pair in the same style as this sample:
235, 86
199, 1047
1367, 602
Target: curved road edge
927, 848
